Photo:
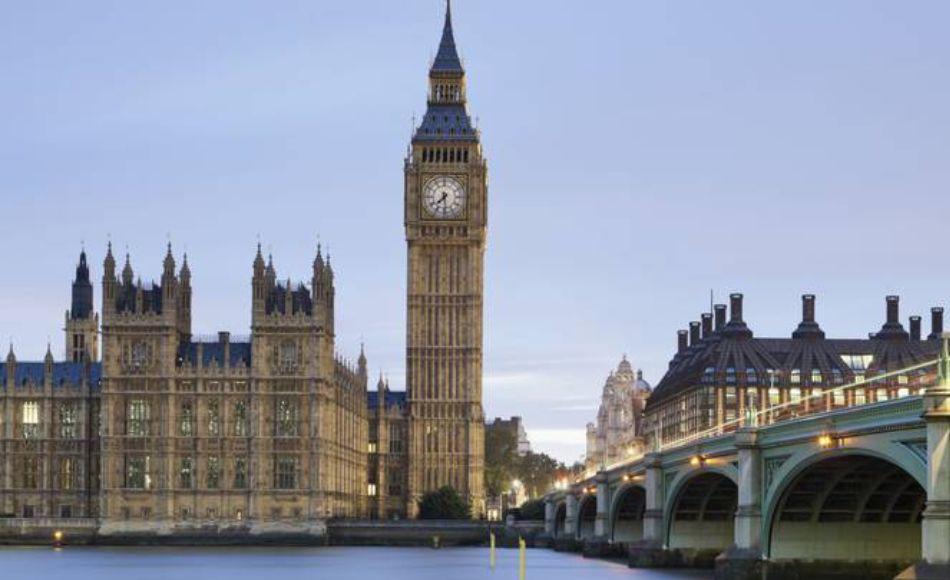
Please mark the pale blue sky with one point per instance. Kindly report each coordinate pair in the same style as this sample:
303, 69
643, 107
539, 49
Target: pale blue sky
641, 154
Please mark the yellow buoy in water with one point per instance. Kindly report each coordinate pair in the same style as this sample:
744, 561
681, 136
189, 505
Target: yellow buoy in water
491, 550
522, 559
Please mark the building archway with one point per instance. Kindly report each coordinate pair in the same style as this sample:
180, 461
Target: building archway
586, 517
560, 520
627, 514
854, 507
702, 513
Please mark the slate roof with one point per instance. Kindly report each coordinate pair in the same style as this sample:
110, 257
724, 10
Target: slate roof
213, 353
393, 399
446, 122
447, 59
732, 355
64, 373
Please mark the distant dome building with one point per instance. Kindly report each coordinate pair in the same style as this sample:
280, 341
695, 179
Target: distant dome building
618, 432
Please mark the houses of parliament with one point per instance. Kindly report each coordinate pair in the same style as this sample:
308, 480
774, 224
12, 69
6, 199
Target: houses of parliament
146, 427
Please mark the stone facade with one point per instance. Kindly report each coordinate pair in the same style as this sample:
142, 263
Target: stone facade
618, 433
177, 435
446, 210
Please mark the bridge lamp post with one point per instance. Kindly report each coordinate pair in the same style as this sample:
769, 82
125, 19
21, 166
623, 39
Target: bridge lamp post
827, 441
698, 461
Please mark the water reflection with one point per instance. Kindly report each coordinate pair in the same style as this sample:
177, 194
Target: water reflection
240, 563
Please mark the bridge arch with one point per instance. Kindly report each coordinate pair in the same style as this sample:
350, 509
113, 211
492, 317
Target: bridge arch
560, 519
854, 504
586, 516
701, 508
626, 513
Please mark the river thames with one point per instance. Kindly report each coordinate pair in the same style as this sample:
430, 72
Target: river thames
154, 563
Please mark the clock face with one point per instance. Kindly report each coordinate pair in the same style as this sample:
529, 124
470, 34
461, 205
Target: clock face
444, 197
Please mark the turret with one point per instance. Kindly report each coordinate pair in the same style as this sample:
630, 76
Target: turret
82, 323
361, 362
108, 282
82, 291
323, 291
184, 300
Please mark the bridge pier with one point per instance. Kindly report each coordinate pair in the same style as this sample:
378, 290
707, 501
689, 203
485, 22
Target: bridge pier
568, 541
598, 546
550, 509
650, 552
935, 527
744, 558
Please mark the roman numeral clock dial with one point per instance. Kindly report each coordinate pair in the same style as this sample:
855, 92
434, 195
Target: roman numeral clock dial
443, 198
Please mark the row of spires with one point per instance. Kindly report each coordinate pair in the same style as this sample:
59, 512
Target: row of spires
714, 323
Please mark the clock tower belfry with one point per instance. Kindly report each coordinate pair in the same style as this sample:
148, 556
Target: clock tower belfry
446, 189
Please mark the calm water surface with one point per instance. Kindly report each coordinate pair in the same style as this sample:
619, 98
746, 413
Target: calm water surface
78, 563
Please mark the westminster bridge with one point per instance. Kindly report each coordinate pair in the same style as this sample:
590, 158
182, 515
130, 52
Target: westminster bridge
863, 491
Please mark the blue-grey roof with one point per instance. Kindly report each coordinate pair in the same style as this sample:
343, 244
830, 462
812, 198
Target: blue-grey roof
393, 399
446, 123
240, 353
64, 373
447, 59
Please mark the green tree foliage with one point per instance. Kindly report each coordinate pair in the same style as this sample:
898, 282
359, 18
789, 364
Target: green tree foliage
444, 504
501, 453
536, 471
532, 510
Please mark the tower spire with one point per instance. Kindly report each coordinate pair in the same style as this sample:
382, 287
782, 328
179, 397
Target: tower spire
447, 59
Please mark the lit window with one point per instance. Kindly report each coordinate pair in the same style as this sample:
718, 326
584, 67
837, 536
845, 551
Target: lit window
138, 418
730, 375
67, 420
137, 472
816, 376
67, 474
186, 473
859, 378
372, 447
881, 395
186, 424
750, 376
902, 380
240, 419
795, 394
31, 420
214, 419
775, 397
858, 362
286, 418
796, 376
371, 490
816, 392
903, 392
838, 398
860, 397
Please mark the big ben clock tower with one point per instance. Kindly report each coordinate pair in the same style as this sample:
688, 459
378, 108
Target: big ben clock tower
446, 206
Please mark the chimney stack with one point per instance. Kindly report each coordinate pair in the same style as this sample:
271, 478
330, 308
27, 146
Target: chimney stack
735, 307
936, 323
693, 333
808, 308
915, 328
681, 344
720, 316
707, 325
893, 309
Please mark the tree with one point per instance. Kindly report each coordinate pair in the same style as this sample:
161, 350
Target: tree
538, 472
532, 510
501, 454
444, 504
